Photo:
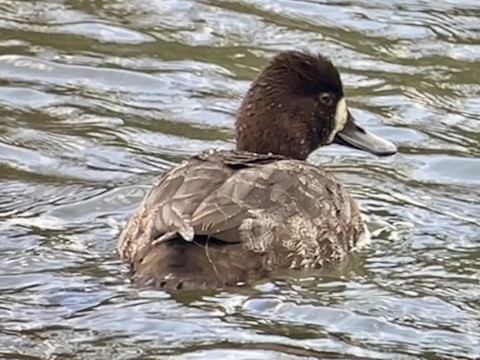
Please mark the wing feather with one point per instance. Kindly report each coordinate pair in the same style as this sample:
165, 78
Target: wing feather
212, 194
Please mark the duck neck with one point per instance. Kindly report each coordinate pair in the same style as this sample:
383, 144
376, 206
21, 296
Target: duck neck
280, 138
269, 128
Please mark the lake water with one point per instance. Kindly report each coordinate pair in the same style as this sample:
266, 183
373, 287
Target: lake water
99, 97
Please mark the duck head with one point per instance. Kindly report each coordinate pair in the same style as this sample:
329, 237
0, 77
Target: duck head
297, 104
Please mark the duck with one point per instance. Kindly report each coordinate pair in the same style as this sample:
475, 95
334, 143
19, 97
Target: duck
228, 218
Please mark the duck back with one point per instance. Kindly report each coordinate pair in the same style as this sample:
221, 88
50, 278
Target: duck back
223, 217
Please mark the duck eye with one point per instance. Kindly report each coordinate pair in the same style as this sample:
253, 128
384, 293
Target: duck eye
326, 98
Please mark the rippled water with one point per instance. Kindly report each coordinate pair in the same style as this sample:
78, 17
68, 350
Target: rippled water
99, 98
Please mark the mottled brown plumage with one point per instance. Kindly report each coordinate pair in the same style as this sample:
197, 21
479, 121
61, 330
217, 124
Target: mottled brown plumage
224, 217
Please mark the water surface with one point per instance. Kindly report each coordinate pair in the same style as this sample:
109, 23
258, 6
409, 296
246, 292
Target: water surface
99, 98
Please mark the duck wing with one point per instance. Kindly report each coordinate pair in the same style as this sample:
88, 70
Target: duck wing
256, 200
209, 194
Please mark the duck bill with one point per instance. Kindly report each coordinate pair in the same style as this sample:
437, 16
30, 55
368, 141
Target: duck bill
356, 137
